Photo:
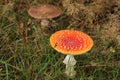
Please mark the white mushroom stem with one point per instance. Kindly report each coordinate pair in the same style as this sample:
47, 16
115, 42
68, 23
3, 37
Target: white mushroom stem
44, 23
70, 62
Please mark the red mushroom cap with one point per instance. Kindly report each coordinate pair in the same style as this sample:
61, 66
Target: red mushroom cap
71, 42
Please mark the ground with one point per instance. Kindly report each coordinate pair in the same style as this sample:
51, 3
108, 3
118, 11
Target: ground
25, 51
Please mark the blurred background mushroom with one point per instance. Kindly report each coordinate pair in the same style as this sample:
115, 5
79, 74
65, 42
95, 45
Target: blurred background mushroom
71, 42
44, 12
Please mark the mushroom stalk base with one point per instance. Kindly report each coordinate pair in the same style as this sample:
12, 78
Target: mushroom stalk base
44, 23
70, 62
45, 26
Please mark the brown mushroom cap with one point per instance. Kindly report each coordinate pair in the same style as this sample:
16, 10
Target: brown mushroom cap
71, 42
43, 11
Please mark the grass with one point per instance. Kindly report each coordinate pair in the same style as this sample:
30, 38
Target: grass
25, 53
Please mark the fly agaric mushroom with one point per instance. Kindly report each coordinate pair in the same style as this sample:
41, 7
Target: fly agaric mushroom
71, 42
45, 12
